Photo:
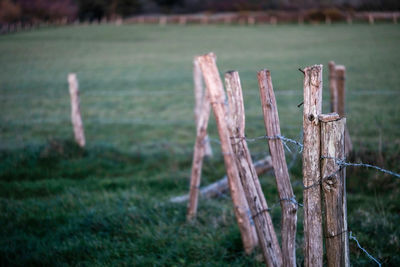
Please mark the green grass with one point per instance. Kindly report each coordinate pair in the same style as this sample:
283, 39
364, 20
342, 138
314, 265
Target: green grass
108, 204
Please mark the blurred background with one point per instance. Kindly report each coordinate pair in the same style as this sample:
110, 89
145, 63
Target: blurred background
108, 203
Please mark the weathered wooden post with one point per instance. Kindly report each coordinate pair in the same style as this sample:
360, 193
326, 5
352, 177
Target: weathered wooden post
198, 155
75, 110
199, 97
248, 176
217, 98
333, 86
288, 204
340, 74
313, 247
334, 189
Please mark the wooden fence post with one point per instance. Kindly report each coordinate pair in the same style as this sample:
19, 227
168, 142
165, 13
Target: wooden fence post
217, 98
333, 86
313, 247
289, 207
199, 98
248, 176
75, 110
198, 155
334, 189
340, 74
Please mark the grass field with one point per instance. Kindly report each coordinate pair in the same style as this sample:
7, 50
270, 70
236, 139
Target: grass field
108, 204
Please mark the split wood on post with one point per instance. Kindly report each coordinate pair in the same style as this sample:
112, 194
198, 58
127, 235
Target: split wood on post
313, 247
289, 208
248, 176
75, 110
221, 186
217, 98
334, 189
340, 74
199, 97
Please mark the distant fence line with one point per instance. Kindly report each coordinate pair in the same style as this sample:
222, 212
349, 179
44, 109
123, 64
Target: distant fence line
241, 18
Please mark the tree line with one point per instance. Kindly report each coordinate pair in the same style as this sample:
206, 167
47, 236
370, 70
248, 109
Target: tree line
90, 10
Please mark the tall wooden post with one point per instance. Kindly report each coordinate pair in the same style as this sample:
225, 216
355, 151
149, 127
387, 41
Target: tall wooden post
217, 98
199, 97
289, 208
198, 155
75, 110
248, 176
340, 74
313, 247
334, 189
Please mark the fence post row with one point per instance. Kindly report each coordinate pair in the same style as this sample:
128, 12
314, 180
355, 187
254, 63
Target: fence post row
313, 247
75, 110
217, 98
334, 189
285, 191
248, 176
324, 143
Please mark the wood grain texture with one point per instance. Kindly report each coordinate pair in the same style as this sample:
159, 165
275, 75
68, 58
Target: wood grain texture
217, 97
76, 117
199, 98
334, 191
248, 176
313, 243
285, 190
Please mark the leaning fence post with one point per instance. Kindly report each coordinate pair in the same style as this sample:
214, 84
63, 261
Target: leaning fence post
217, 99
248, 175
313, 248
198, 155
334, 189
340, 74
288, 204
75, 110
199, 97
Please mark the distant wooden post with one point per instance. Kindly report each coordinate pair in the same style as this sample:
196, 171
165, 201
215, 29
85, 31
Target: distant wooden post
313, 247
163, 20
251, 20
217, 98
371, 19
273, 20
340, 74
75, 110
333, 86
328, 20
199, 96
289, 207
334, 189
247, 173
349, 19
395, 16
182, 20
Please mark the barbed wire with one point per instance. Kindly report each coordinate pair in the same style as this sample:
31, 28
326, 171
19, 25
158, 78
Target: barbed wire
352, 237
343, 163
